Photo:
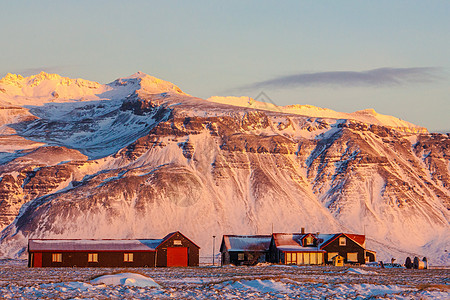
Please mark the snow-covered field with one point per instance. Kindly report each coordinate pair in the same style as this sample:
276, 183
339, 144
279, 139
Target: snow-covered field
259, 282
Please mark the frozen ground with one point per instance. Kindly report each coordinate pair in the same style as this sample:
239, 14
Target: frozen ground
259, 282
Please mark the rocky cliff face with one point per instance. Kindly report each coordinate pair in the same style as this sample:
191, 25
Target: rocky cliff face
156, 160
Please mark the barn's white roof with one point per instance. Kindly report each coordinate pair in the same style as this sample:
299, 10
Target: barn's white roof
247, 242
93, 245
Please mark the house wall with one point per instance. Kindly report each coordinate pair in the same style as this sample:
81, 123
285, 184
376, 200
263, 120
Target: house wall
274, 253
105, 259
276, 256
193, 250
250, 257
350, 247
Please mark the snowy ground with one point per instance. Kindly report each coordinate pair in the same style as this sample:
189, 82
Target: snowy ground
259, 282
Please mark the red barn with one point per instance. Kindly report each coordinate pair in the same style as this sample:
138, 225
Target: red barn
174, 250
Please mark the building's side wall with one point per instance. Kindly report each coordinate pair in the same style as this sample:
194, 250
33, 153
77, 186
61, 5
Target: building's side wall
350, 247
225, 258
105, 259
273, 255
193, 250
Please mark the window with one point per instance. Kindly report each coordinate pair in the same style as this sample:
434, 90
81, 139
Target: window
309, 240
128, 257
306, 258
319, 258
177, 242
288, 258
330, 255
240, 256
342, 241
313, 258
92, 257
352, 257
56, 257
299, 258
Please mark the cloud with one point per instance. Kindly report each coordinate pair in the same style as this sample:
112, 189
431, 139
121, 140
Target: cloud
371, 78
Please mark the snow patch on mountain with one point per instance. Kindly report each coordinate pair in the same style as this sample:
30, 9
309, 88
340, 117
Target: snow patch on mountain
368, 116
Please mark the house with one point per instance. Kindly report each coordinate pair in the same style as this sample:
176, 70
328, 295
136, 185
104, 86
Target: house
316, 249
244, 249
296, 248
174, 250
350, 246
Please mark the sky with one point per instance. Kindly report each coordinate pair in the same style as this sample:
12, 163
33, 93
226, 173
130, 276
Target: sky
392, 56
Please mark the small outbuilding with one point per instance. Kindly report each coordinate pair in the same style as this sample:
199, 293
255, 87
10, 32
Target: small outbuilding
174, 250
244, 249
371, 256
338, 261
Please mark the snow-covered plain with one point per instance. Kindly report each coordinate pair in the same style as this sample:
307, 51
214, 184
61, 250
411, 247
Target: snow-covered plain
258, 282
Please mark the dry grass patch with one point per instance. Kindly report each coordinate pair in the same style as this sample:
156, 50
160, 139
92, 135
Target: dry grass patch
433, 287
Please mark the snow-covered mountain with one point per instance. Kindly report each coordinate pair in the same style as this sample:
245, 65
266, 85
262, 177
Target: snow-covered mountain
139, 158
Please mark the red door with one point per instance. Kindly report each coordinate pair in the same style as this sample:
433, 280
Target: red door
177, 257
37, 259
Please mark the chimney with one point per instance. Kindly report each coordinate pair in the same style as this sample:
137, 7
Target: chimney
303, 230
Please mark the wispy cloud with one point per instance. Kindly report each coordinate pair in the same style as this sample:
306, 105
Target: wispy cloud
371, 78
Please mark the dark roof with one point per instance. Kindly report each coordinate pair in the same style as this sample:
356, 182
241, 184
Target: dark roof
93, 245
247, 242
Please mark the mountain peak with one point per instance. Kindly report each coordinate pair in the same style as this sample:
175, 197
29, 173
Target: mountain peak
147, 83
35, 80
12, 79
139, 74
44, 87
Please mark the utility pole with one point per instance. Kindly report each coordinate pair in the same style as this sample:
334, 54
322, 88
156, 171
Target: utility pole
214, 243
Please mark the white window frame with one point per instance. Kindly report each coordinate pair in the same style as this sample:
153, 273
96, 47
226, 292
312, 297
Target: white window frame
342, 241
92, 257
56, 257
128, 257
